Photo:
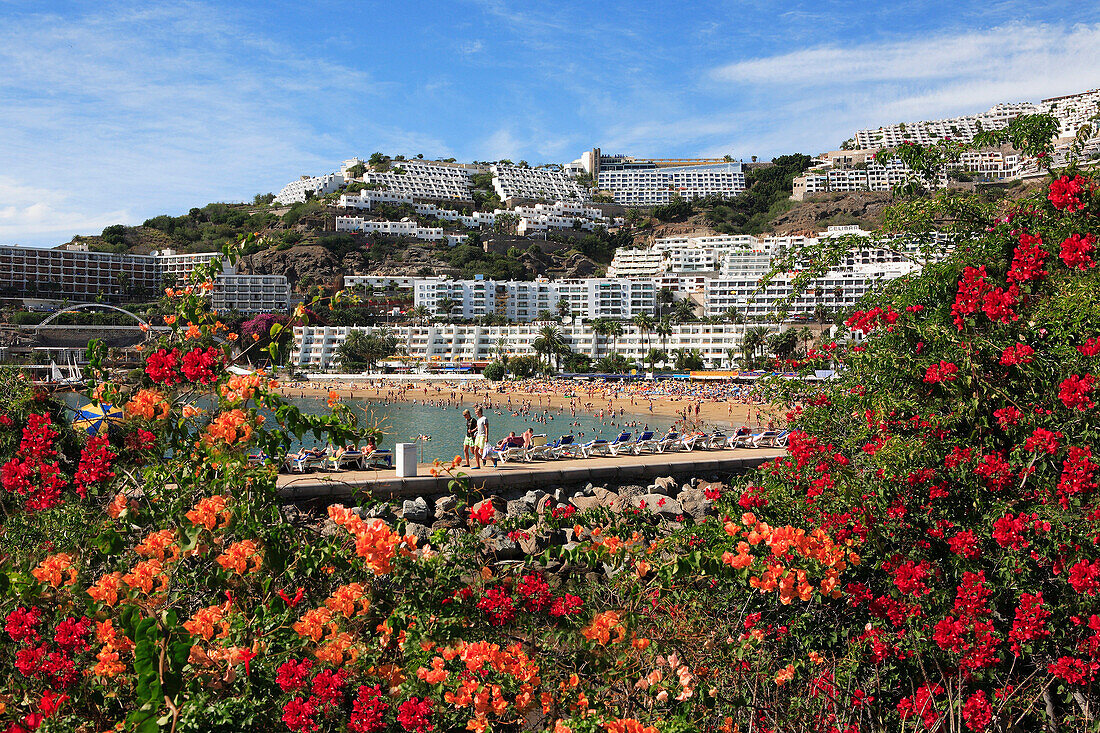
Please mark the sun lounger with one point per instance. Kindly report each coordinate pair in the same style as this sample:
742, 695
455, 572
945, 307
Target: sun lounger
592, 447
688, 442
621, 444
538, 446
671, 441
564, 447
714, 441
377, 458
513, 454
305, 460
770, 439
645, 441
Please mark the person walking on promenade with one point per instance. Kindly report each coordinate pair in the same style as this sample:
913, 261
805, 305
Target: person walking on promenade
468, 441
481, 434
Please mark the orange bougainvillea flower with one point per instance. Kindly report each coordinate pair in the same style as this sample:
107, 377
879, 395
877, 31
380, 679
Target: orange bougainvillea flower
56, 570
601, 627
375, 542
106, 588
435, 674
627, 725
193, 331
231, 336
148, 404
206, 621
346, 598
241, 557
160, 545
785, 675
117, 506
144, 574
240, 387
333, 398
114, 645
229, 427
315, 623
169, 320
210, 513
336, 649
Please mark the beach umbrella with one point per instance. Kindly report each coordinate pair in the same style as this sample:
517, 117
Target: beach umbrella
97, 419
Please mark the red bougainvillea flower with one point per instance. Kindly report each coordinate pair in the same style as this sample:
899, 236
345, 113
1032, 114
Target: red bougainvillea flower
976, 712
413, 715
1065, 193
1027, 260
161, 366
484, 514
1017, 354
198, 364
1077, 251
945, 371
1074, 392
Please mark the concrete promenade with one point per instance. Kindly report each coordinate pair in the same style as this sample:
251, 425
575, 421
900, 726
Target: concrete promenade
623, 469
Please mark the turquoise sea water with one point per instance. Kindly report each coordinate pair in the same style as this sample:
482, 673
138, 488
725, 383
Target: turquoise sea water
402, 422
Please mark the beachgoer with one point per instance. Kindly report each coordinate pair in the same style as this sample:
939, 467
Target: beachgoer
481, 434
468, 442
528, 436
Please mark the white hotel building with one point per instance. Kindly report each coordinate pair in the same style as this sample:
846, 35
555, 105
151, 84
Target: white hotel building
520, 300
315, 347
513, 182
641, 185
250, 294
295, 191
420, 179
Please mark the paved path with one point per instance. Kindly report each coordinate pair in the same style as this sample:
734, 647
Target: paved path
623, 469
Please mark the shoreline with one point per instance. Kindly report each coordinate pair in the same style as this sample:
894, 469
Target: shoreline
718, 410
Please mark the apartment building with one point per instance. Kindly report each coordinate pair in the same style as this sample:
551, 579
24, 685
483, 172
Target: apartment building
641, 184
514, 182
406, 227
383, 282
961, 129
76, 275
520, 300
317, 186
250, 294
177, 268
79, 274
630, 262
315, 347
421, 179
839, 289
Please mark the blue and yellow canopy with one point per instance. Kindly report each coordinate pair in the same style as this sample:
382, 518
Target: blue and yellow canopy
97, 419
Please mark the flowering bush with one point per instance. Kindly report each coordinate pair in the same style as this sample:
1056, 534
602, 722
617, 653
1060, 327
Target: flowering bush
924, 557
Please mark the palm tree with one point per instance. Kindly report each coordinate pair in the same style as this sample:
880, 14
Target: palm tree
599, 328
656, 356
684, 310
805, 335
444, 306
614, 330
731, 354
753, 341
664, 330
421, 314
734, 316
549, 342
664, 297
645, 325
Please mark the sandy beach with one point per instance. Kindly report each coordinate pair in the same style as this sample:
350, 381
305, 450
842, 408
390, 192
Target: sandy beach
708, 404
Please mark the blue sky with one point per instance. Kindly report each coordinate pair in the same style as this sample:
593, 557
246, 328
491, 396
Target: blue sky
112, 112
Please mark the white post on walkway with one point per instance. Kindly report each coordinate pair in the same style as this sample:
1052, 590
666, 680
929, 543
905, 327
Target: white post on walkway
405, 455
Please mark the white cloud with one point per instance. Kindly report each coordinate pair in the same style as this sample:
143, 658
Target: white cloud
1015, 52
811, 99
140, 110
